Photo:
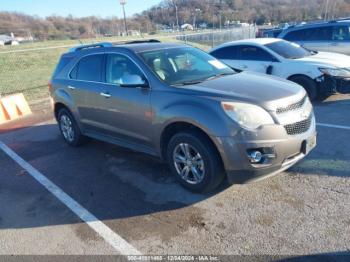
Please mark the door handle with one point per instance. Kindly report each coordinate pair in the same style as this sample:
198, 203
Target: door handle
71, 87
106, 95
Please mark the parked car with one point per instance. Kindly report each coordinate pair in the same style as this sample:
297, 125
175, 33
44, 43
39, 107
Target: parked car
269, 33
331, 36
179, 103
320, 73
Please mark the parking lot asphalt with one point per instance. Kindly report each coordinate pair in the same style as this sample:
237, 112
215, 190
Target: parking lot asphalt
304, 210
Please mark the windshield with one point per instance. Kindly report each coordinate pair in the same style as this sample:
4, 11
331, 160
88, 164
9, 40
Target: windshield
289, 50
184, 65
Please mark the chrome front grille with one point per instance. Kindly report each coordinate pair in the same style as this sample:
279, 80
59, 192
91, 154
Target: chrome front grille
291, 107
299, 127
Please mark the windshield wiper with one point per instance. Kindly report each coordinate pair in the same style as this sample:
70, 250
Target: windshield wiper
312, 52
187, 83
193, 82
218, 76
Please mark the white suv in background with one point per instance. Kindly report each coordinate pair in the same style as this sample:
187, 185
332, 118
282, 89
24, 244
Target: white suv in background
320, 73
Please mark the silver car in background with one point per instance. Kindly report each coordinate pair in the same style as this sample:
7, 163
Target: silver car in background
331, 36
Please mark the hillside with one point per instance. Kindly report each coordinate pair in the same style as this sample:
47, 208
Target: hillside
274, 11
209, 12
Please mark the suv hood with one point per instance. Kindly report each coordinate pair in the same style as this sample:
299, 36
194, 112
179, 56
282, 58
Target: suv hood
327, 59
267, 91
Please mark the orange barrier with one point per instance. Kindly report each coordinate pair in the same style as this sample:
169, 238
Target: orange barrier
13, 107
3, 114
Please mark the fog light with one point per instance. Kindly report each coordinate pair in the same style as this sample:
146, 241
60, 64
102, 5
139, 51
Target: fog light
255, 157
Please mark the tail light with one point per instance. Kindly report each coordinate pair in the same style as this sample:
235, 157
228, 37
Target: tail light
50, 85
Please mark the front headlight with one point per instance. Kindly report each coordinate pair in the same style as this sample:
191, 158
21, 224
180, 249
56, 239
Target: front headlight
337, 72
247, 115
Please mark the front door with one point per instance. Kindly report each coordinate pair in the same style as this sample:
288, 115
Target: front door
340, 40
317, 39
125, 111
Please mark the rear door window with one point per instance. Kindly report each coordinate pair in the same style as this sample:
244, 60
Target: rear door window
229, 52
319, 34
253, 53
89, 68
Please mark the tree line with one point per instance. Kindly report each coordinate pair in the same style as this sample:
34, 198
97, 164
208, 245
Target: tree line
173, 13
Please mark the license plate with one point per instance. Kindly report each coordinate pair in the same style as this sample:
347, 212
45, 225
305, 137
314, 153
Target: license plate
310, 143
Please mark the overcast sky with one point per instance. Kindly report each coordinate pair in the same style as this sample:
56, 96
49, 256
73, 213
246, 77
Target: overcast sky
79, 8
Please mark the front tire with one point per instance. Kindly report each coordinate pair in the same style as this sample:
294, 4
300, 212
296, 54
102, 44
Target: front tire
195, 162
308, 84
69, 129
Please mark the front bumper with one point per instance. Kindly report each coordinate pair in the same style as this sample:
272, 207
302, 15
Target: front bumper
282, 151
331, 85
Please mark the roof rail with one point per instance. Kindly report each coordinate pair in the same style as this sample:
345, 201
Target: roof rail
108, 44
82, 47
340, 19
143, 41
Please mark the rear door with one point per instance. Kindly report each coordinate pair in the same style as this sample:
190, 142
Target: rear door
340, 39
85, 88
254, 58
229, 56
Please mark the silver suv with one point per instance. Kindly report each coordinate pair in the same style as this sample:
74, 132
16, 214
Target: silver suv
331, 36
178, 103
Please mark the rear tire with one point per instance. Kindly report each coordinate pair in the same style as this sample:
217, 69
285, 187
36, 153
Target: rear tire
69, 129
202, 168
308, 84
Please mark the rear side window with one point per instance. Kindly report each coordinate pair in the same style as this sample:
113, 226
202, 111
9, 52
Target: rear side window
229, 52
246, 52
64, 60
89, 68
295, 36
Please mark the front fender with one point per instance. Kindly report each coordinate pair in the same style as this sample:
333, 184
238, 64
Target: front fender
310, 70
210, 118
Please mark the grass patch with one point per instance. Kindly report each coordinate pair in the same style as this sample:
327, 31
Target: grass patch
29, 71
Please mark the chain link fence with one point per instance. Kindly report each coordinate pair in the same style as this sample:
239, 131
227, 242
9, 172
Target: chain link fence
211, 39
28, 70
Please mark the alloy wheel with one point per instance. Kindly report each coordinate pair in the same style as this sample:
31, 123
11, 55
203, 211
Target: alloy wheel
67, 128
189, 163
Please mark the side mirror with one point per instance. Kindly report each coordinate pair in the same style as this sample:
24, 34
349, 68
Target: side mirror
133, 81
235, 69
269, 70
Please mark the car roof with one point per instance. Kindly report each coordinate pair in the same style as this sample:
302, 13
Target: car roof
255, 41
145, 47
136, 46
315, 25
